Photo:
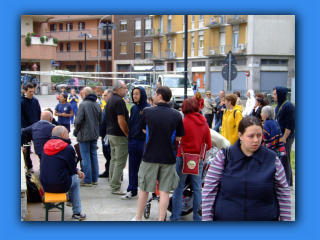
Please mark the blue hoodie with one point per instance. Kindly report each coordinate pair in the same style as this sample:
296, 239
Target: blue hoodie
135, 115
286, 116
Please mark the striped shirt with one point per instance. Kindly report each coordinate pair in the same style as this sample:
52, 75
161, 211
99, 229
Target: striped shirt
211, 188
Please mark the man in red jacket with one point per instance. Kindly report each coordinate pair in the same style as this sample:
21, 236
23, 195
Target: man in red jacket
59, 172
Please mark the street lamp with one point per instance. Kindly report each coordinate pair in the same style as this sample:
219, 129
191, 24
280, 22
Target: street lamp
85, 51
107, 25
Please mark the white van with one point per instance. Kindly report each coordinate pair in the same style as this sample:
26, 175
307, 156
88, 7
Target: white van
176, 83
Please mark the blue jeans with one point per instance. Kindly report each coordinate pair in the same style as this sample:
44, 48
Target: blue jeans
218, 122
74, 194
90, 166
75, 110
135, 148
178, 192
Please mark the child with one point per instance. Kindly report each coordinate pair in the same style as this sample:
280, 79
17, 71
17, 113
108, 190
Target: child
64, 111
73, 99
220, 109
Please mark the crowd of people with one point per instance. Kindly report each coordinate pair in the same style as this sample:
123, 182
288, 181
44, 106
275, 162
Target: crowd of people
248, 181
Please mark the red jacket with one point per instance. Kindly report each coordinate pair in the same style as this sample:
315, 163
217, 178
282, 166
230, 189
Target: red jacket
195, 131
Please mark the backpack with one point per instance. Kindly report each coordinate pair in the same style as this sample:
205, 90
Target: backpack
234, 113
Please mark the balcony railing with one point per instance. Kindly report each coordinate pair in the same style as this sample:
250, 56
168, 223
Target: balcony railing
73, 35
168, 54
215, 21
217, 50
236, 19
155, 33
79, 55
170, 29
137, 55
148, 32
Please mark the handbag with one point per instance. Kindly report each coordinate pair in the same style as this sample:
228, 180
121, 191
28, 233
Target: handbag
191, 161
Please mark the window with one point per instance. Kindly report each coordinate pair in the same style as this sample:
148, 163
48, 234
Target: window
200, 41
169, 44
71, 68
80, 46
81, 25
147, 26
192, 18
235, 39
68, 47
123, 25
198, 64
60, 27
274, 62
147, 50
137, 28
192, 42
69, 27
201, 17
53, 27
222, 43
123, 48
61, 47
169, 23
137, 50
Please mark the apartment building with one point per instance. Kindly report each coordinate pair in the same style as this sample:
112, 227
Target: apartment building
133, 47
37, 56
262, 45
73, 51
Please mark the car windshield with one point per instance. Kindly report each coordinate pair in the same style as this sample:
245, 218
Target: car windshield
175, 82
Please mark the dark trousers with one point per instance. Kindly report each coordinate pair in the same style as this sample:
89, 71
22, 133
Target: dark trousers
286, 161
28, 158
135, 148
209, 118
107, 155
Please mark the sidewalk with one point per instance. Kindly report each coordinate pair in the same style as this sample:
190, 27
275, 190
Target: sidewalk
97, 201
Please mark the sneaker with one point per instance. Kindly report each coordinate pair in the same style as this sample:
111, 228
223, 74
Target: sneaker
30, 170
94, 183
79, 217
104, 175
119, 193
135, 218
69, 203
128, 196
83, 183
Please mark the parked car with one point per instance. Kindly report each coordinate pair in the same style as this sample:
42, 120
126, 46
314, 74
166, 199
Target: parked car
69, 84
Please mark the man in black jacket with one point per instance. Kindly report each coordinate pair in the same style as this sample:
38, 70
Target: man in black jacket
30, 114
39, 132
86, 124
59, 172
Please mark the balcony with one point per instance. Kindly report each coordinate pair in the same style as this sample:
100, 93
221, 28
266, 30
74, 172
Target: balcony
236, 19
148, 32
38, 50
91, 55
171, 29
217, 50
73, 35
215, 21
168, 54
156, 32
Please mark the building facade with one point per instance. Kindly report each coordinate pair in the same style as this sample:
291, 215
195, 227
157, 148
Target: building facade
262, 45
133, 47
37, 56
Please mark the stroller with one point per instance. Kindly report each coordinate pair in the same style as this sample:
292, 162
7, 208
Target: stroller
187, 201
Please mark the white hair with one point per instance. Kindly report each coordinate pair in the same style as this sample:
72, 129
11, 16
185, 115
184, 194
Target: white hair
117, 84
269, 111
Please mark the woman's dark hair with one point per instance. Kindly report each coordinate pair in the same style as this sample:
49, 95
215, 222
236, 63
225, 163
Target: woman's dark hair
260, 95
237, 93
189, 105
65, 95
165, 92
247, 122
263, 102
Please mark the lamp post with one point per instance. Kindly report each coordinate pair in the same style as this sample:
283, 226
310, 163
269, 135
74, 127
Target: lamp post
107, 25
85, 51
98, 69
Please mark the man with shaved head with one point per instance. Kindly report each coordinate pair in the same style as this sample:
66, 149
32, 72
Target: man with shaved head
59, 169
86, 125
39, 132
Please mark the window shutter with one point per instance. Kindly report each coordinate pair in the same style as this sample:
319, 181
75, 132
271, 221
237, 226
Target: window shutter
138, 24
148, 24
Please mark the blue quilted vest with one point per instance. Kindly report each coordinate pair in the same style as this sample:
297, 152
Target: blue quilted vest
247, 190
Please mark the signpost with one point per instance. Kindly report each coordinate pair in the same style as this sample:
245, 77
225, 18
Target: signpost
229, 72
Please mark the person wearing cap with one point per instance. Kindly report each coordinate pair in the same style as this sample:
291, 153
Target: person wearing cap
64, 111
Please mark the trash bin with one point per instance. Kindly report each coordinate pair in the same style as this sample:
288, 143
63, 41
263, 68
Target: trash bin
44, 90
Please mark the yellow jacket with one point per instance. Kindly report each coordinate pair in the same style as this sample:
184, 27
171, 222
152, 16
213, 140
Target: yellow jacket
103, 103
230, 124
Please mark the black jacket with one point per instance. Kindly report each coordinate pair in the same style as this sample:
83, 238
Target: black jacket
30, 111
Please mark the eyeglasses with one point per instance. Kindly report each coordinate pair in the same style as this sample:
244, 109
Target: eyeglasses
124, 87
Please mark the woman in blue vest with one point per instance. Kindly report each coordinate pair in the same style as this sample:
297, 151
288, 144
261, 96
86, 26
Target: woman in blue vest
247, 181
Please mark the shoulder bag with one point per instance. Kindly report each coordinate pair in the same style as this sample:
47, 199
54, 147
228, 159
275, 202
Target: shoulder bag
191, 161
